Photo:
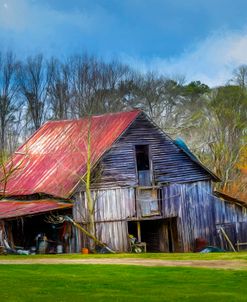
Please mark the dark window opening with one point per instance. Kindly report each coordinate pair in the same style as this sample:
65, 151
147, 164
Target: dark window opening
142, 157
143, 165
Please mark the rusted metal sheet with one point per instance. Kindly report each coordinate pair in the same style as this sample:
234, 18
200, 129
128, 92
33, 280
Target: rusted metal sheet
54, 159
12, 209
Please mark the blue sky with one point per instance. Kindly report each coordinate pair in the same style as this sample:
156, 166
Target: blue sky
202, 40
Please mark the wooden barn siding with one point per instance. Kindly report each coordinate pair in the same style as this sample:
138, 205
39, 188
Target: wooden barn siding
115, 234
112, 209
192, 205
189, 202
119, 166
200, 214
229, 212
233, 219
111, 205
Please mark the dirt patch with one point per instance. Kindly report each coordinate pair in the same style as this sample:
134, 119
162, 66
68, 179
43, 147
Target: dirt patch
220, 264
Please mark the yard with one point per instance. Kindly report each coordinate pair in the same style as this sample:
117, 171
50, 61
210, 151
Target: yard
159, 256
73, 282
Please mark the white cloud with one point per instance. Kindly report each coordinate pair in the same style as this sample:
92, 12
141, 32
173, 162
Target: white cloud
210, 61
26, 15
28, 27
31, 25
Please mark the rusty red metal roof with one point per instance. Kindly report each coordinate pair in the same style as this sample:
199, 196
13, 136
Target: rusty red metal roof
12, 209
54, 158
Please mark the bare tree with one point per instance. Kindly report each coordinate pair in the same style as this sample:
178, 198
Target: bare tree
8, 92
95, 85
34, 78
156, 95
83, 79
221, 115
8, 167
109, 95
240, 76
59, 90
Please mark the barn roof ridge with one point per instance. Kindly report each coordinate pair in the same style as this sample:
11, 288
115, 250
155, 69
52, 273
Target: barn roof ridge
92, 116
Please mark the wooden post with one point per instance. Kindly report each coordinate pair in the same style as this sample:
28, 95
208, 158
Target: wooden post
139, 238
227, 239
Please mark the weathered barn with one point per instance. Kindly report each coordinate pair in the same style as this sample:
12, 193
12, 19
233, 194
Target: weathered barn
143, 183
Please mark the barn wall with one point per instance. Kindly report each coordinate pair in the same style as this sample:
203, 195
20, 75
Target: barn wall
112, 208
229, 212
232, 217
116, 179
191, 203
200, 215
119, 167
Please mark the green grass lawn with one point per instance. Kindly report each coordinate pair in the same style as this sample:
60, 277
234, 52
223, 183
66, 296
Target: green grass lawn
119, 283
164, 256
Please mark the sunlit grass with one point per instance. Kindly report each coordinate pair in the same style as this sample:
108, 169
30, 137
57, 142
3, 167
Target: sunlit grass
119, 283
164, 256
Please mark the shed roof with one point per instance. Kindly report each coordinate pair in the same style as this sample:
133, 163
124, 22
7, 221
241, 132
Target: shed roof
13, 208
230, 197
54, 158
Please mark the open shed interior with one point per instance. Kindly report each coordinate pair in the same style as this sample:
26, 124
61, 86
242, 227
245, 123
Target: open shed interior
160, 235
37, 235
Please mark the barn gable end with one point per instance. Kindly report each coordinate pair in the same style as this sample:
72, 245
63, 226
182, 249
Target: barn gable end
170, 164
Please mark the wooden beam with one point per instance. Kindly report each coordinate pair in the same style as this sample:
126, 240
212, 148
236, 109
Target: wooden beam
139, 238
227, 239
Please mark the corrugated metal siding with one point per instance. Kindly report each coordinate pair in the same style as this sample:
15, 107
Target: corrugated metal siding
170, 164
